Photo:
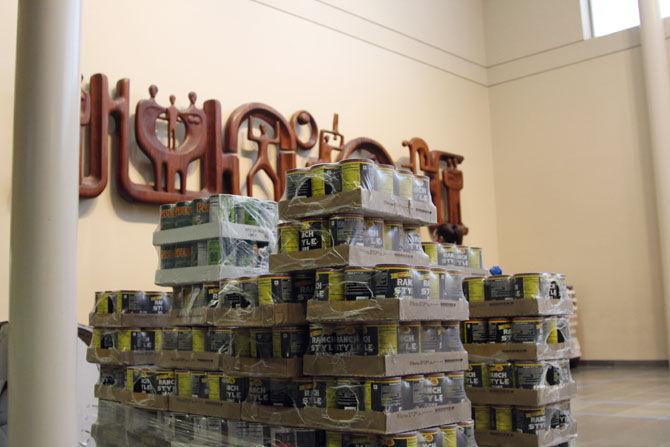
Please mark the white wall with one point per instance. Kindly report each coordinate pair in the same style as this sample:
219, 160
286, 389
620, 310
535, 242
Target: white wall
302, 54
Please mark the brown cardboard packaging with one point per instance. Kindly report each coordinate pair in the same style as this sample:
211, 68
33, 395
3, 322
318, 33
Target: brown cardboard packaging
114, 357
145, 400
522, 397
109, 392
205, 407
545, 438
343, 255
129, 320
385, 365
196, 361
517, 351
357, 421
188, 317
239, 366
386, 309
520, 308
368, 203
281, 314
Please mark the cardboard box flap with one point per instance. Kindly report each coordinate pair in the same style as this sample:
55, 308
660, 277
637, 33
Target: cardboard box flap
128, 320
385, 366
521, 307
146, 401
213, 230
266, 368
281, 314
545, 438
206, 273
109, 392
208, 361
114, 357
189, 317
386, 309
205, 407
482, 352
522, 397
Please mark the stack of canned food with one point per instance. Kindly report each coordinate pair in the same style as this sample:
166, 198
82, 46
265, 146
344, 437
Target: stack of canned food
117, 423
232, 246
526, 374
452, 255
545, 330
134, 302
519, 286
324, 179
529, 420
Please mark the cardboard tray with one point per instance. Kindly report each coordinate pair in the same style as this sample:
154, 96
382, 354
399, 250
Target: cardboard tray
343, 255
521, 308
109, 392
195, 361
146, 401
275, 368
206, 273
284, 314
213, 230
129, 320
204, 407
362, 201
109, 435
517, 351
357, 421
114, 357
384, 366
522, 397
192, 317
386, 309
546, 438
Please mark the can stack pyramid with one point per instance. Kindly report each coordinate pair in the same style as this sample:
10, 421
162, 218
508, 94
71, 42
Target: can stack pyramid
519, 342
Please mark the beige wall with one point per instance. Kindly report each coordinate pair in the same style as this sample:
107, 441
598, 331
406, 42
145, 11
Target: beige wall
240, 51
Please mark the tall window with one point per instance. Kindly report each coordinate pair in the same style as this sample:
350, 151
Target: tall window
610, 16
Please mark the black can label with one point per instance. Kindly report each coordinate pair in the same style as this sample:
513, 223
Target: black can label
501, 375
380, 339
234, 389
280, 393
394, 282
303, 284
348, 340
385, 395
310, 394
314, 235
329, 285
498, 288
476, 331
259, 391
500, 331
261, 343
321, 340
350, 394
476, 376
358, 283
289, 343
347, 230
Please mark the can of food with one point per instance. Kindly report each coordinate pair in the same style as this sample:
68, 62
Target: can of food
326, 179
166, 382
500, 330
200, 211
170, 338
184, 255
449, 435
280, 393
409, 338
314, 234
192, 384
430, 248
393, 281
421, 189
451, 337
455, 388
350, 394
151, 381
358, 173
348, 340
409, 439
288, 237
105, 303
477, 375
234, 342
436, 388
166, 221
308, 392
531, 285
321, 340
501, 375
167, 256
132, 340
289, 342
454, 285
261, 343
528, 330
413, 392
104, 338
498, 287
223, 251
302, 283
404, 183
466, 430
475, 331
501, 418
530, 375
358, 283
112, 375
452, 254
339, 439
191, 339
474, 257
329, 285
481, 414
232, 388
131, 302
259, 391
432, 336
393, 232
158, 303
439, 287
183, 214
249, 289
423, 283
274, 288
298, 183
530, 419
473, 289
431, 437
373, 235
383, 394
347, 229
411, 240
551, 330
380, 339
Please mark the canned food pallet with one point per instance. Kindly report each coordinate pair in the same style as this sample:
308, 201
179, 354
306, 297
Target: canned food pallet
522, 397
204, 274
384, 365
215, 230
520, 307
205, 407
362, 201
270, 315
114, 357
358, 421
109, 392
518, 351
343, 255
387, 309
545, 438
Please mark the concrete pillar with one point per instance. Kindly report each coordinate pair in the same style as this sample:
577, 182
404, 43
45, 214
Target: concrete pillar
42, 304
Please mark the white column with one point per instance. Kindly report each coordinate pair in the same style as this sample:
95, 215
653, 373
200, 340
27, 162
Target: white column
42, 356
657, 83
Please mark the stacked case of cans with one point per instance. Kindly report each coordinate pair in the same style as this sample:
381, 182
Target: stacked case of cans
519, 343
384, 340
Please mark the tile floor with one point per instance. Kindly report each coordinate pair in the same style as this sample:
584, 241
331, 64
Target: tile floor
622, 406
